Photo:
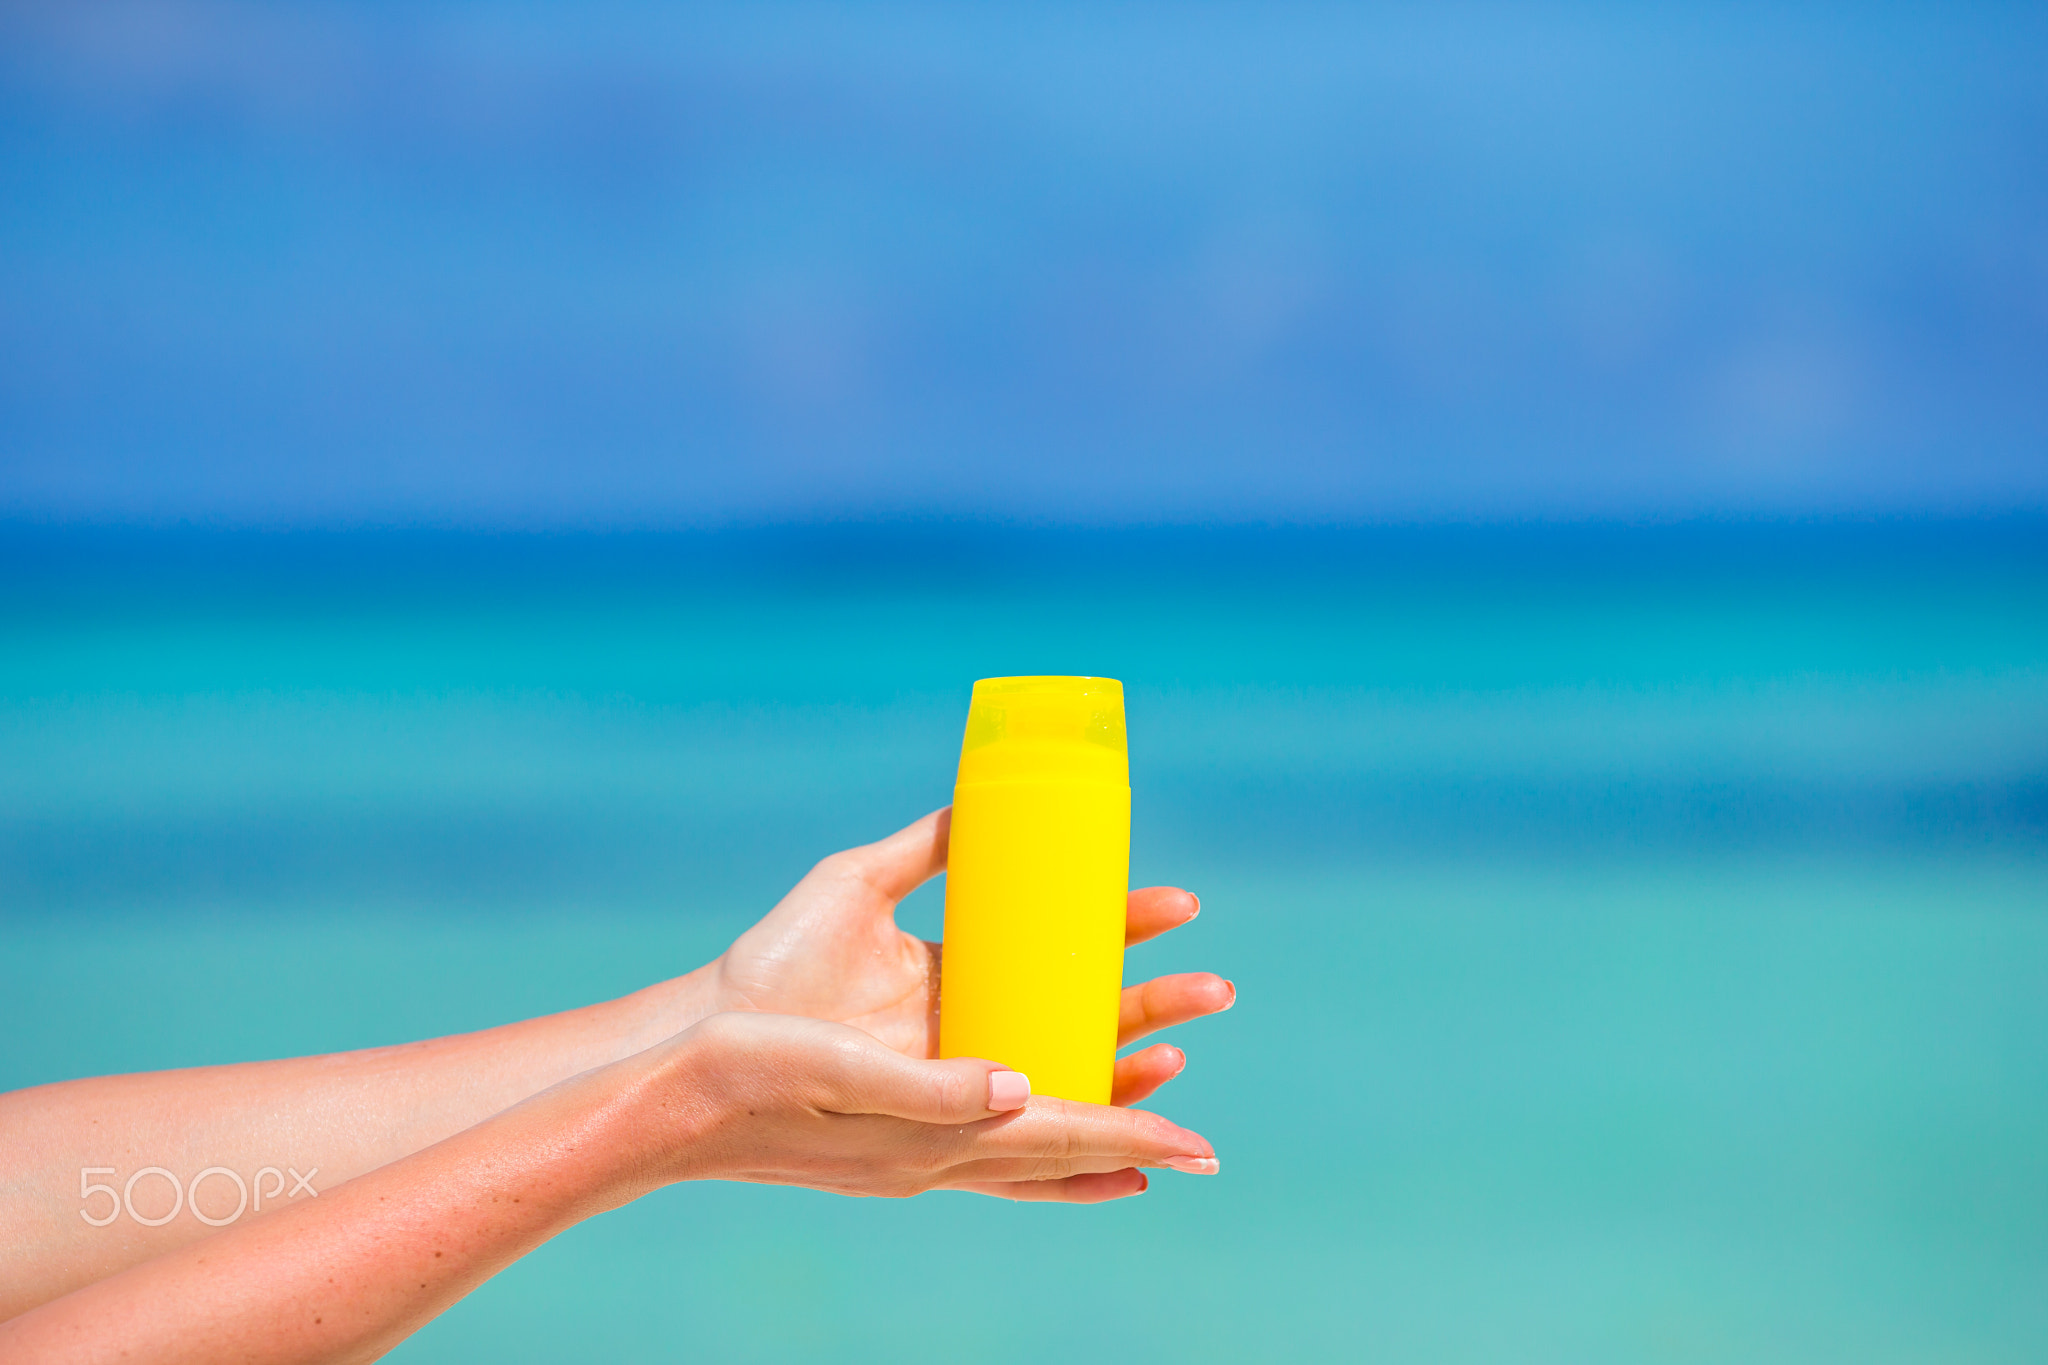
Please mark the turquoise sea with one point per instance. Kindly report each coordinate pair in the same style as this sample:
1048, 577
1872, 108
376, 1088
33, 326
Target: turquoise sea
1641, 933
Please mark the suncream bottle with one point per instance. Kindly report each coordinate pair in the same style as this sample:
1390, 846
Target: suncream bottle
1036, 877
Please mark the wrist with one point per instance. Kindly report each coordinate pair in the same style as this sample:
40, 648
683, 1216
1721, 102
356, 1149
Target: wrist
659, 1110
659, 1012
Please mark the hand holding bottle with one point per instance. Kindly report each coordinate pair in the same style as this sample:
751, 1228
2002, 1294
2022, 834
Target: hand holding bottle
831, 950
782, 1100
754, 1097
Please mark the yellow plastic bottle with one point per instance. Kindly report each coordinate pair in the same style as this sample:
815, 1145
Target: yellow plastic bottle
1035, 883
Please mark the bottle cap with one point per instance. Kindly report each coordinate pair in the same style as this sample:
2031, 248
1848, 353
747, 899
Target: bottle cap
1046, 727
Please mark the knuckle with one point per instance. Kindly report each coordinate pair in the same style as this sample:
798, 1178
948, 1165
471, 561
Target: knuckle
827, 870
847, 862
1058, 1141
955, 1094
931, 1151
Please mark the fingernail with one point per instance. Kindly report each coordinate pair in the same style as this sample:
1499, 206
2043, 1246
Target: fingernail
1008, 1090
1198, 905
1233, 994
1144, 1182
1195, 1165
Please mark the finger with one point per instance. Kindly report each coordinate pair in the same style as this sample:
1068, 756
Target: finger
1047, 1138
1141, 1073
1033, 1170
860, 1075
1150, 911
1051, 1138
896, 866
1021, 1168
1165, 1001
1094, 1188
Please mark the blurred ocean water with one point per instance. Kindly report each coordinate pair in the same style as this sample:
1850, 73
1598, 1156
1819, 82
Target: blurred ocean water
1640, 931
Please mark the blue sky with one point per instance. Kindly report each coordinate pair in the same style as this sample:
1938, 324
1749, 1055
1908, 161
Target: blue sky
613, 265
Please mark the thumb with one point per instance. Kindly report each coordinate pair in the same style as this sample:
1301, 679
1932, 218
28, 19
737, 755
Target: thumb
907, 859
871, 1078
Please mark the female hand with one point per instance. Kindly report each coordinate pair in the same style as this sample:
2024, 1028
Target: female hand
781, 1100
831, 950
760, 1097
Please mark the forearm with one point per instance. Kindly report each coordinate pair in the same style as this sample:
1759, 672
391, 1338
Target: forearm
348, 1276
326, 1119
742, 1096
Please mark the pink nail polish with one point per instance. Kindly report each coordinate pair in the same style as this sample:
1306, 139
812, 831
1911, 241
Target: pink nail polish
1195, 1165
1008, 1090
